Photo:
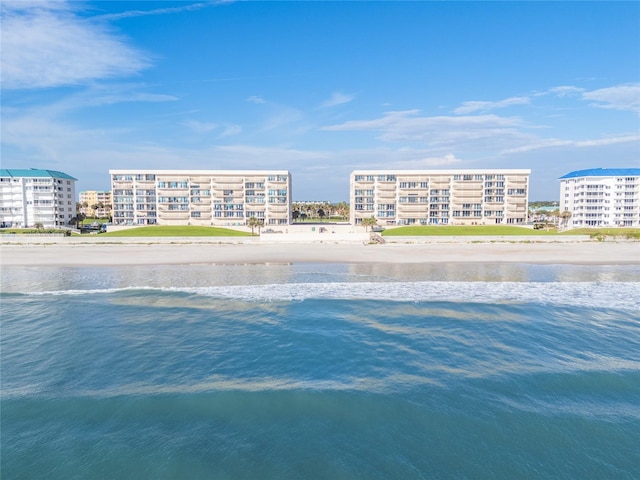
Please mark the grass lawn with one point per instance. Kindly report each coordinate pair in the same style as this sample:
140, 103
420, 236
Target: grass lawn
176, 231
89, 221
434, 230
606, 232
27, 231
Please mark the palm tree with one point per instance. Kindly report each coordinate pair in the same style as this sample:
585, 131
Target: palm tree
565, 216
254, 222
369, 222
343, 210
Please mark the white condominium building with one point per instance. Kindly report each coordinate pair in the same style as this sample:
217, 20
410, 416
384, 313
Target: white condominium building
440, 197
601, 197
200, 197
33, 196
98, 204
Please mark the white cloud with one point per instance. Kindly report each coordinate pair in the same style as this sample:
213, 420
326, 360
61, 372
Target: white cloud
444, 131
157, 11
48, 45
475, 106
554, 142
620, 97
282, 116
230, 130
256, 99
200, 127
337, 98
565, 90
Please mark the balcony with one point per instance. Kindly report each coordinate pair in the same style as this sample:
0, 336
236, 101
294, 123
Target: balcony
384, 194
278, 208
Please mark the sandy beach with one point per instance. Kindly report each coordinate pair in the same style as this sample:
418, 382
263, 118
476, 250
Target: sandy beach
582, 253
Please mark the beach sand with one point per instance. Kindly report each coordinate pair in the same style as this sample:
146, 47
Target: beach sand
581, 253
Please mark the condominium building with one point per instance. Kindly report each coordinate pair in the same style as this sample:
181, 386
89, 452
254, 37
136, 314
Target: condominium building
601, 197
95, 203
32, 196
200, 197
440, 197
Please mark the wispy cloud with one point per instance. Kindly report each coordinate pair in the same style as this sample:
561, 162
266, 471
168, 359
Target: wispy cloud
337, 98
231, 130
157, 11
200, 127
48, 45
439, 130
282, 116
565, 91
477, 106
227, 130
256, 99
620, 97
555, 143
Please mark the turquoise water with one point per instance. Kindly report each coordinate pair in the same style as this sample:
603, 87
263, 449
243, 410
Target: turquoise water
320, 371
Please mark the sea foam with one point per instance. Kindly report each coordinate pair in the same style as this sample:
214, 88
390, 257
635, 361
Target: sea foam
618, 295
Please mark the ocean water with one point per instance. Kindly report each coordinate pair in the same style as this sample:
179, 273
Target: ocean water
320, 372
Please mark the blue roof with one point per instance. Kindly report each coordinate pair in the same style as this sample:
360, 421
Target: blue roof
34, 173
604, 172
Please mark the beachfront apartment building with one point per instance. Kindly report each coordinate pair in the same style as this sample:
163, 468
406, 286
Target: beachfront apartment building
440, 197
94, 203
29, 197
200, 197
601, 197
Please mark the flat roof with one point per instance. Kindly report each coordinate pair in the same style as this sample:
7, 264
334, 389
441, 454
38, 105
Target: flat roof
198, 172
34, 173
491, 171
604, 172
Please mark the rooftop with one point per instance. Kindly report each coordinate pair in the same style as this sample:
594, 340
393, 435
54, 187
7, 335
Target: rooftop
34, 173
604, 172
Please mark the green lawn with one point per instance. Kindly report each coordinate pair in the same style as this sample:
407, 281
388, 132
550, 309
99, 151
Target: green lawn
486, 230
434, 230
177, 231
606, 232
27, 231
89, 221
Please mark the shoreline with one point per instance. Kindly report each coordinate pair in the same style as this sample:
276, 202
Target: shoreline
131, 254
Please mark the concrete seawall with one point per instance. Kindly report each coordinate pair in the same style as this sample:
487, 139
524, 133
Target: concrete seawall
293, 238
101, 240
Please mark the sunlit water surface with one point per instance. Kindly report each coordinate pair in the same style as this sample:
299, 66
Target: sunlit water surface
320, 371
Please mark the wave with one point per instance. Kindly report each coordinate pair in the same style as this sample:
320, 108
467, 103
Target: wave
618, 295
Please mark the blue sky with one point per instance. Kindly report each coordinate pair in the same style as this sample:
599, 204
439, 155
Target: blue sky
320, 88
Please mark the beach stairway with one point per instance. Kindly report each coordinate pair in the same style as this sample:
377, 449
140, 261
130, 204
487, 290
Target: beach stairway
376, 238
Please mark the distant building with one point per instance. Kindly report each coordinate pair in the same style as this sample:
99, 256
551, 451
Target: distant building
601, 197
200, 197
440, 197
32, 196
98, 204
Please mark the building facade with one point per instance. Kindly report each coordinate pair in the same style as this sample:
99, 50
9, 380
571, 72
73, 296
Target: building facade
32, 196
440, 197
601, 197
200, 197
95, 203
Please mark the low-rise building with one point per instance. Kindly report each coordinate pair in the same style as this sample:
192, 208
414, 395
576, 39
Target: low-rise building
95, 203
200, 197
29, 197
440, 197
601, 197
